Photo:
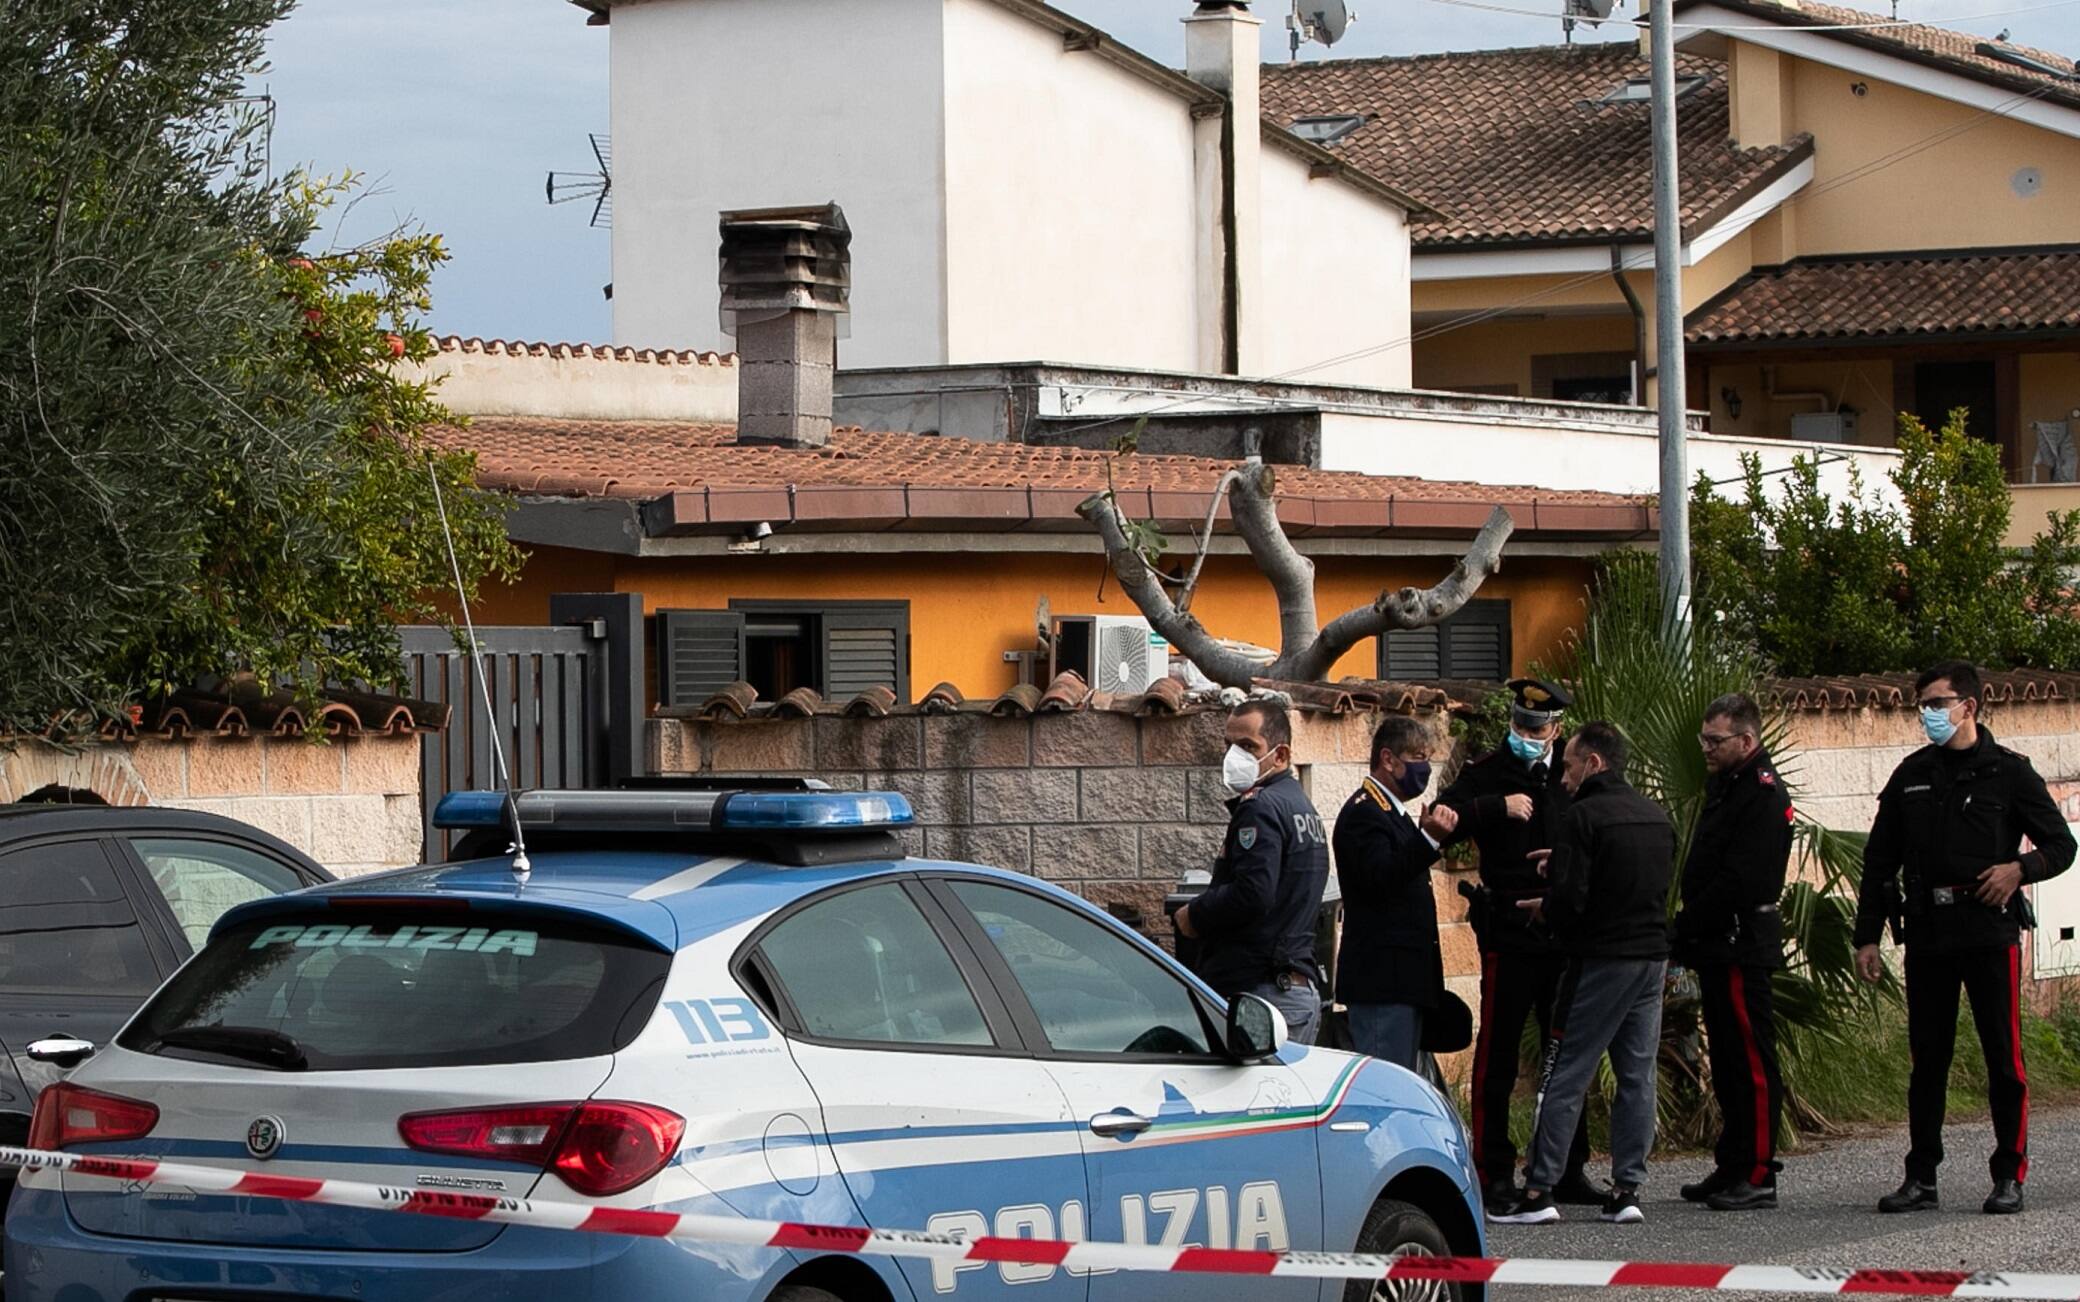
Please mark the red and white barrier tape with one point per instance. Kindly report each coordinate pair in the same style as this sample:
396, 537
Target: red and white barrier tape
139, 1172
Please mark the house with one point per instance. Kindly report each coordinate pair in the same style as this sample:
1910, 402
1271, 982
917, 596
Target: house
1879, 218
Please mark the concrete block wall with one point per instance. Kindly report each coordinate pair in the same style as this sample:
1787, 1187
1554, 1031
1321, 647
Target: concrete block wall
351, 803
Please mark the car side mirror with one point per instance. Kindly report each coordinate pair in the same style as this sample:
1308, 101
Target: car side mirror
1256, 1029
61, 1050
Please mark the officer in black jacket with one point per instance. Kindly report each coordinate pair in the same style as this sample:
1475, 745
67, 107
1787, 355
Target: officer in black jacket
1390, 969
1945, 859
1729, 931
1509, 803
1256, 921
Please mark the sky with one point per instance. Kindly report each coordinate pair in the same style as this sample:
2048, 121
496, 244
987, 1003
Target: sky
454, 111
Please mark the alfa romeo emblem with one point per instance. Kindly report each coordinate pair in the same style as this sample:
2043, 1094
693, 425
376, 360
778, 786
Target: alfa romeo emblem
264, 1137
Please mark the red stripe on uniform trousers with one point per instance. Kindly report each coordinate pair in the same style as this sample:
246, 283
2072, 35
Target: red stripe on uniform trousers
2021, 1074
1670, 1274
1032, 1252
115, 1168
1463, 1270
1480, 1061
462, 1207
1226, 1261
1938, 1283
1763, 1138
631, 1220
277, 1186
827, 1238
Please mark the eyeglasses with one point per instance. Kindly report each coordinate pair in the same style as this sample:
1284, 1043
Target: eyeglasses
1939, 702
1714, 740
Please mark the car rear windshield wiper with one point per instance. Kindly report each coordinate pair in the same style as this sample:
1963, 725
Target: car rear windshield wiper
253, 1043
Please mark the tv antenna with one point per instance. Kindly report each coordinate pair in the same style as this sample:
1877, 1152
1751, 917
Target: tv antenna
1592, 12
565, 187
1324, 21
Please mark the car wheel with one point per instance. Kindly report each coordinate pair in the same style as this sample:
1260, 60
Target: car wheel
1398, 1229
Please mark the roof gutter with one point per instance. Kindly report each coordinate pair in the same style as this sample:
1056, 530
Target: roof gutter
1639, 314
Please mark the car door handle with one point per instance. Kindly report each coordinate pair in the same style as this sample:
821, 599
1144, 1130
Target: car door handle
61, 1050
1119, 1123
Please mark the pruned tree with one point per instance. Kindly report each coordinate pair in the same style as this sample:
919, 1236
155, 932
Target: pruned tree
1307, 648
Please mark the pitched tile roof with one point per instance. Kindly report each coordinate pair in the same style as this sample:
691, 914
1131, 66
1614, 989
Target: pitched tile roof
1938, 46
1896, 296
703, 477
1510, 146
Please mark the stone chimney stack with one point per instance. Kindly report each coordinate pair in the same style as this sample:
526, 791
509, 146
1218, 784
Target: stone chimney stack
786, 281
1223, 54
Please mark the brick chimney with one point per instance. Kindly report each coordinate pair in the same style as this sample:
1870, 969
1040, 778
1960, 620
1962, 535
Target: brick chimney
786, 281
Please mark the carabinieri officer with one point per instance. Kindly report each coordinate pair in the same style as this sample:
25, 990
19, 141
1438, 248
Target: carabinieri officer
1510, 803
1944, 858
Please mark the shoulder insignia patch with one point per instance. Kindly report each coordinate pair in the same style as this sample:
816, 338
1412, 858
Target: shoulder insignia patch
1246, 837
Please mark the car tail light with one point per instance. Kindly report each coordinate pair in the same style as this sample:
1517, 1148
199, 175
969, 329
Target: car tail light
596, 1148
69, 1114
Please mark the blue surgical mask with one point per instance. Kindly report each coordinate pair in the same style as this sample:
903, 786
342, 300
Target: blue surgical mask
1415, 779
1525, 749
1937, 724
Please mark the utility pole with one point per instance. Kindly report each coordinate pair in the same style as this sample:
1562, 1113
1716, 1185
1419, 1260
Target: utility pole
1668, 317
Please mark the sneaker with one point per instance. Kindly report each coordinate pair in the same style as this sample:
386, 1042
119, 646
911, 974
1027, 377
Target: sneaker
1622, 1207
1716, 1182
1911, 1196
1577, 1189
1527, 1209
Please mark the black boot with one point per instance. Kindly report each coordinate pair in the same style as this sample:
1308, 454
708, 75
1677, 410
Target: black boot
1744, 1197
1911, 1196
1578, 1190
1711, 1184
2006, 1198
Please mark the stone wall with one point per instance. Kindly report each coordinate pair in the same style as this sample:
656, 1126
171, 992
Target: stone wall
351, 803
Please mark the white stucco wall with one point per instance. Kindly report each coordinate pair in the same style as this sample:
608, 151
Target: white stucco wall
578, 383
1070, 203
724, 104
1335, 278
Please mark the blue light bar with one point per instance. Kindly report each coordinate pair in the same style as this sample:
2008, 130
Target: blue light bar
808, 811
463, 809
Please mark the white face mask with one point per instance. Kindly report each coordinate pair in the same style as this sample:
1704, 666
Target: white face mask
1239, 769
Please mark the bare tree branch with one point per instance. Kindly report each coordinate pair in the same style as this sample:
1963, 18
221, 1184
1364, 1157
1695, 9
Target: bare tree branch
1205, 539
1255, 511
1408, 608
1138, 578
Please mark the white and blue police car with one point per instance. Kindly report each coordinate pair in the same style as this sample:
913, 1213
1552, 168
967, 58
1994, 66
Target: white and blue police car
726, 1001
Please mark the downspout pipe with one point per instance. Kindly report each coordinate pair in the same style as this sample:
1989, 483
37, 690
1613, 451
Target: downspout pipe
1639, 323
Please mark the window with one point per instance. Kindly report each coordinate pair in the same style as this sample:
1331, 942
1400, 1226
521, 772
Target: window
1639, 90
410, 986
866, 966
203, 879
1473, 644
838, 648
1327, 130
1093, 991
66, 924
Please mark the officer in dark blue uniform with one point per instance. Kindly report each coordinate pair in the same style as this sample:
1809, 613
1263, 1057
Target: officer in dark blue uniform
1256, 921
1510, 803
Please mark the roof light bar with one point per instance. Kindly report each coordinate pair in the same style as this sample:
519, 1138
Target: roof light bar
679, 811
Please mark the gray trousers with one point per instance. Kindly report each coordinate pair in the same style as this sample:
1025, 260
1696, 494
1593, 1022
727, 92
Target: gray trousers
1302, 1007
1603, 1005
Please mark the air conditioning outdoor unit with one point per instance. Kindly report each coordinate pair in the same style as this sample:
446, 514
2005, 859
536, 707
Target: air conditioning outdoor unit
1113, 653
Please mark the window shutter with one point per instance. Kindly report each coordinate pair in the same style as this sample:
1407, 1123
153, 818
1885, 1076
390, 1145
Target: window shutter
866, 646
1411, 653
1473, 645
699, 652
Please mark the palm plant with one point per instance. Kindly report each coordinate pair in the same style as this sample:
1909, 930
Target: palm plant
1639, 666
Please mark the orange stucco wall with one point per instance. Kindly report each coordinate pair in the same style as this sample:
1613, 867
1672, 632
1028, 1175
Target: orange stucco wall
967, 610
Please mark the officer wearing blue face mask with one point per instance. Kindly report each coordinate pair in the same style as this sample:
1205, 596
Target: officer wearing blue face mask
1945, 865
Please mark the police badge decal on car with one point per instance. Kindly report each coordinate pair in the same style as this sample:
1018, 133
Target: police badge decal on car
264, 1137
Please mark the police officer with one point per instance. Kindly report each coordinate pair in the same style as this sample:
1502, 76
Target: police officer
1510, 803
1730, 933
1256, 921
1944, 862
1390, 969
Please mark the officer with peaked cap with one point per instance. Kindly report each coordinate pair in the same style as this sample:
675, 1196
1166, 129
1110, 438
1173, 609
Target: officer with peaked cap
1510, 804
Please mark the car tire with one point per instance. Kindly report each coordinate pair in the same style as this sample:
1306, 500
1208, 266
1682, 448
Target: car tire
1398, 1229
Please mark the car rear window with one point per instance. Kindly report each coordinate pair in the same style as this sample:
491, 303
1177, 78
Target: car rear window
367, 990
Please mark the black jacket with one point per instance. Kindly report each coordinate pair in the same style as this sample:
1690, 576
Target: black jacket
1734, 876
1390, 953
1477, 795
1945, 817
1257, 919
1610, 872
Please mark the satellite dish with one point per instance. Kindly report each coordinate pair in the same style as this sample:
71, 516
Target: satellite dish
1593, 10
1323, 21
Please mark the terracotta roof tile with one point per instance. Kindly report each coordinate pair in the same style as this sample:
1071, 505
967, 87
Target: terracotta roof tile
1898, 296
1513, 145
596, 352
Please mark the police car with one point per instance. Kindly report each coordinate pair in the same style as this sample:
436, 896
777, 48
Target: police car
742, 1001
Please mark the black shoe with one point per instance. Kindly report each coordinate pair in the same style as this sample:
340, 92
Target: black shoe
1911, 1196
1622, 1207
1499, 1194
1744, 1197
1527, 1209
2005, 1200
1577, 1190
1711, 1184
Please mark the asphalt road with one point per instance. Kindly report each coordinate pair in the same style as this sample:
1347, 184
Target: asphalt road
1827, 1215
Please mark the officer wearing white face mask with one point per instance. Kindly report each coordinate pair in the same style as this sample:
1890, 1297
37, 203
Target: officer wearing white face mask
1256, 921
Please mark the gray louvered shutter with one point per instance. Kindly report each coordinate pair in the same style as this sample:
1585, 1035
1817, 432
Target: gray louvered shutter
1473, 644
699, 652
864, 647
1411, 654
